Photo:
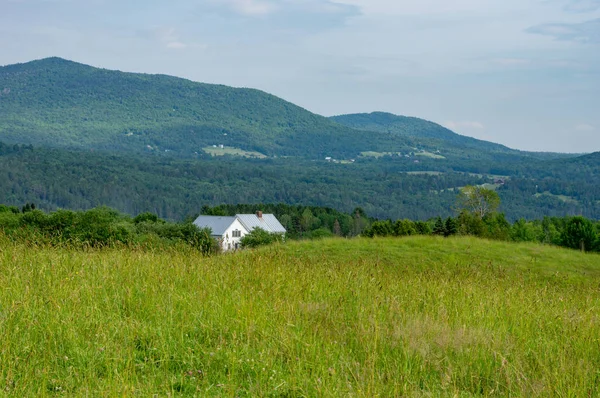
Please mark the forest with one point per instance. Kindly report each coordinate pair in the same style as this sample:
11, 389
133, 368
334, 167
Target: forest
174, 188
103, 226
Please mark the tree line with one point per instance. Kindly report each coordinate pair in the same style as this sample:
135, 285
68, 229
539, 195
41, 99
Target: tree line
478, 216
100, 227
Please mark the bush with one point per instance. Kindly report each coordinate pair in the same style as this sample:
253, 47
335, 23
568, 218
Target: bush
320, 233
260, 237
146, 217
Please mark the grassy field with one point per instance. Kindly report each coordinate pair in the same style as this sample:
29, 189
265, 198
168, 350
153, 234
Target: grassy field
232, 151
372, 154
430, 155
360, 318
428, 173
563, 198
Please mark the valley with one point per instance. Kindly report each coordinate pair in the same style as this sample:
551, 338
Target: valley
157, 143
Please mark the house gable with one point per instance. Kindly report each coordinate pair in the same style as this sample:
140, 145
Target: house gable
227, 230
268, 222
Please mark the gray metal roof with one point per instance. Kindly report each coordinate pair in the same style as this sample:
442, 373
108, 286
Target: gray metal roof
268, 222
217, 224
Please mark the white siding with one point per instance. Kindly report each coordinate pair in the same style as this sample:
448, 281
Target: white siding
228, 242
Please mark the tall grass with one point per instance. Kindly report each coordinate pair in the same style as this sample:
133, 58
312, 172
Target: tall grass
366, 318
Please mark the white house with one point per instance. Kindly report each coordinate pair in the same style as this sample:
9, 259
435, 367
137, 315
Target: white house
229, 231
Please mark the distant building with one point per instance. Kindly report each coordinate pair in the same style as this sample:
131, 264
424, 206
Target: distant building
229, 231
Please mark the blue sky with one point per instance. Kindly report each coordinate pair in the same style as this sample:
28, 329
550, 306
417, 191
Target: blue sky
524, 73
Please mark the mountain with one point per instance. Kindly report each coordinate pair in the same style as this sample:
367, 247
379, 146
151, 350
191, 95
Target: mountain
422, 130
91, 136
589, 159
59, 103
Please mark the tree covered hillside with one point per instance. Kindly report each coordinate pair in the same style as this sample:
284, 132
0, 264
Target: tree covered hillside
176, 188
54, 102
173, 188
413, 127
426, 134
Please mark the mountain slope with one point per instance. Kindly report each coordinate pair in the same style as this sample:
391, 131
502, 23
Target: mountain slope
421, 130
54, 102
589, 159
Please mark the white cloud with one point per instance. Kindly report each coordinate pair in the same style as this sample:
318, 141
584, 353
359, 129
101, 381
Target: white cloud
251, 7
464, 125
177, 45
432, 7
585, 127
169, 38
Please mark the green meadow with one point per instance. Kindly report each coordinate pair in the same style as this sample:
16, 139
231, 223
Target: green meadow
216, 151
417, 316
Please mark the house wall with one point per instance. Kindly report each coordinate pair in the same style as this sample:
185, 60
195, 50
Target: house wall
228, 242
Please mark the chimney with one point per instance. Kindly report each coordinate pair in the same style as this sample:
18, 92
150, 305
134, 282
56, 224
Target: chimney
259, 214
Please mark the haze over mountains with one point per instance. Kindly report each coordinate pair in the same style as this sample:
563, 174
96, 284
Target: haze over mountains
142, 142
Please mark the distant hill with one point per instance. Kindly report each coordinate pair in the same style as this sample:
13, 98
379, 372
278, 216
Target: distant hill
423, 131
590, 159
55, 102
58, 103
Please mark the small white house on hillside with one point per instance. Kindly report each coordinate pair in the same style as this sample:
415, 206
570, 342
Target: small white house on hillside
229, 231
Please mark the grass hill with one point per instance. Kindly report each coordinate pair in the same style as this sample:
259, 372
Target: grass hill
383, 317
55, 102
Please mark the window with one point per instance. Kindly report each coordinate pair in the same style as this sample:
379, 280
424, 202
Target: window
236, 234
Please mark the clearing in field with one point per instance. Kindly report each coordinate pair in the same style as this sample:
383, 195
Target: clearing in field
428, 173
372, 154
217, 151
562, 198
418, 316
430, 155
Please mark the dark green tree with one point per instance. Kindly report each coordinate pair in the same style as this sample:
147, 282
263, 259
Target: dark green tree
579, 233
451, 227
404, 228
439, 228
423, 228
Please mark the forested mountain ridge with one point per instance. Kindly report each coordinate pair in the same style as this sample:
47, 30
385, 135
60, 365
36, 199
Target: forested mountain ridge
430, 135
59, 103
415, 128
54, 102
74, 136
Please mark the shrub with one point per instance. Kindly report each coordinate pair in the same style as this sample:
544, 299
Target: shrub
320, 233
260, 237
146, 217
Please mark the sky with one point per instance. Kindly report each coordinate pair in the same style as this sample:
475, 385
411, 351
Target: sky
523, 73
